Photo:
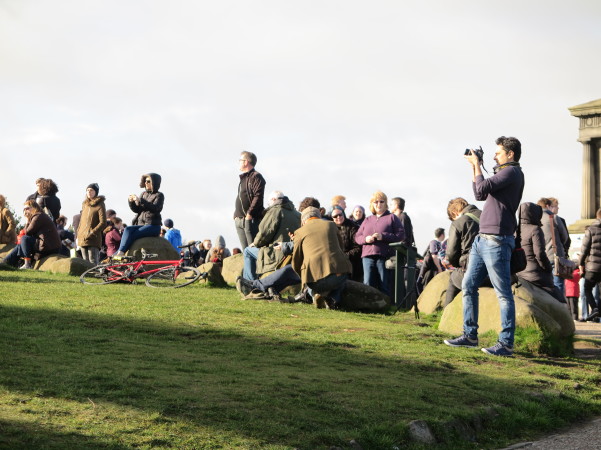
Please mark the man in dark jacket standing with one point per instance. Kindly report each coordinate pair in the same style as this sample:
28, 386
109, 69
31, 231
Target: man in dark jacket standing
249, 201
491, 251
590, 263
464, 228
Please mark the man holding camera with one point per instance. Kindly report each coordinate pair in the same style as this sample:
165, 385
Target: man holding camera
491, 250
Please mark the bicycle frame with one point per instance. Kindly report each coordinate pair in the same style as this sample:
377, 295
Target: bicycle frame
130, 271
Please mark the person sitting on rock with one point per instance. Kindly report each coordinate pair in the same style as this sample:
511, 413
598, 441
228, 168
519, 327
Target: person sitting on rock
148, 207
532, 240
279, 220
218, 252
464, 228
45, 196
112, 235
173, 235
41, 237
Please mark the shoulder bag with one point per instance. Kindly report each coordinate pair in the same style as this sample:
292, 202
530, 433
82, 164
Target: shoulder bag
563, 267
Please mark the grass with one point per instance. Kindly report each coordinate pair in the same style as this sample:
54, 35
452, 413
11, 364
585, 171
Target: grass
124, 366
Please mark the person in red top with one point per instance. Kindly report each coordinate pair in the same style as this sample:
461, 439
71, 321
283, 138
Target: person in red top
572, 288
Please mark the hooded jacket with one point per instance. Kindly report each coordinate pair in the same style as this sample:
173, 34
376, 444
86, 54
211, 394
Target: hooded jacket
590, 256
44, 230
174, 237
218, 244
8, 227
92, 222
148, 212
561, 235
279, 219
462, 233
532, 239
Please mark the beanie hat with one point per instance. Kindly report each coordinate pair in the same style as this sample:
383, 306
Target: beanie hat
94, 186
308, 212
168, 223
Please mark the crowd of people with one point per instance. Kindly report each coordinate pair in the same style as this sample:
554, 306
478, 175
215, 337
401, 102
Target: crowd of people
321, 248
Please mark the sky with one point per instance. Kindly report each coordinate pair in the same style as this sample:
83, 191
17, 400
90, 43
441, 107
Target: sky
334, 97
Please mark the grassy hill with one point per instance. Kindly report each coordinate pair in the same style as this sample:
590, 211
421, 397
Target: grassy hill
124, 366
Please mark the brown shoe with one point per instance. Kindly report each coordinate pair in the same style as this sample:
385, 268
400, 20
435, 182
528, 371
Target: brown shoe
319, 302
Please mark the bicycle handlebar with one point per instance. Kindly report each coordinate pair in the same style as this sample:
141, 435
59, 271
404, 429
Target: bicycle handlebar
188, 245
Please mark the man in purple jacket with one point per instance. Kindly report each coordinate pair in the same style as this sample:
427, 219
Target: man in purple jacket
491, 251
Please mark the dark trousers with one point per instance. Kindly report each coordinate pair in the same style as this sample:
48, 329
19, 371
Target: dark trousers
454, 286
573, 307
590, 279
247, 230
278, 280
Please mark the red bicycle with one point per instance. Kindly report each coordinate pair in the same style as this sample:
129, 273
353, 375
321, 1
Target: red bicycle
168, 274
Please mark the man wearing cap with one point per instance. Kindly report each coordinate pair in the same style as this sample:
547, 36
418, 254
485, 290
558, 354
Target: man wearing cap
319, 260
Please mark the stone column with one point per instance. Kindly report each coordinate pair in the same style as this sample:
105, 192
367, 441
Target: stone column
588, 182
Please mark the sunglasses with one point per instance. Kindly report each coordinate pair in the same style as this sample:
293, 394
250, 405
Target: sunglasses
379, 201
336, 216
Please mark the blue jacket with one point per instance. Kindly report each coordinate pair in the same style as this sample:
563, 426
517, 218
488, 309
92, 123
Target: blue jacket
174, 237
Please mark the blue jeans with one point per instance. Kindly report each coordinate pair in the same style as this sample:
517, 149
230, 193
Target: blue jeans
330, 286
278, 280
251, 254
490, 255
375, 273
135, 232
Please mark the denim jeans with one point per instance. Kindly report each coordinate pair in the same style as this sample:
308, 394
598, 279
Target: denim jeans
278, 280
375, 273
490, 255
251, 254
134, 232
247, 230
330, 286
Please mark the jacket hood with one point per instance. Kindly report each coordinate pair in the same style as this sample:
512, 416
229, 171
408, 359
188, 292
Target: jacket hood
94, 201
219, 242
156, 181
531, 213
469, 209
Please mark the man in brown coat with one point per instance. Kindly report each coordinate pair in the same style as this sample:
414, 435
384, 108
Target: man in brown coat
41, 236
318, 258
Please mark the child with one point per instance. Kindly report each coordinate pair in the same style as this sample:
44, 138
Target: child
572, 291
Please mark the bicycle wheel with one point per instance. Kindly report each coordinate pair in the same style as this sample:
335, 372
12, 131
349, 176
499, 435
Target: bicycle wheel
173, 277
100, 275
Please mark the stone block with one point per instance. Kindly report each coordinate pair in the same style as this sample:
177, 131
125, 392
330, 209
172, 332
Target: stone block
214, 277
70, 266
434, 293
232, 268
360, 297
161, 246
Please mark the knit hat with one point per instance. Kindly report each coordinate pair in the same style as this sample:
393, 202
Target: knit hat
168, 223
94, 186
338, 208
308, 212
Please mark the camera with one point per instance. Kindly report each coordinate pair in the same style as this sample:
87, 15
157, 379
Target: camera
478, 152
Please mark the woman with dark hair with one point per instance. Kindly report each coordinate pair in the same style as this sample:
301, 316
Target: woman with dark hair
347, 231
112, 235
91, 224
375, 235
45, 196
148, 206
40, 237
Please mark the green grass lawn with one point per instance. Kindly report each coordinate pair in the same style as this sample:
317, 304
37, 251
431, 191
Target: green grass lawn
122, 366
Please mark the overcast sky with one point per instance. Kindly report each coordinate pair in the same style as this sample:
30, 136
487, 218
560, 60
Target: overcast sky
334, 97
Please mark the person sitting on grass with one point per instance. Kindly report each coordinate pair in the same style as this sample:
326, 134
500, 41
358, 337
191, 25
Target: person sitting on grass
41, 237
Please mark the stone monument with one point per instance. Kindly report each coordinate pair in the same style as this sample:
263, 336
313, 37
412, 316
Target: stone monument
589, 135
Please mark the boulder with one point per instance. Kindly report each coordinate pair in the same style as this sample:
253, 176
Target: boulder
360, 297
46, 262
161, 246
434, 293
214, 277
232, 268
5, 250
534, 308
70, 266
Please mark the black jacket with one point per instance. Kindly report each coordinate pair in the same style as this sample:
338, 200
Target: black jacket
532, 240
250, 195
462, 233
347, 231
590, 256
148, 212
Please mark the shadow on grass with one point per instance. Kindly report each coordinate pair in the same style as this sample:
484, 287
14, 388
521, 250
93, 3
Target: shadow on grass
18, 435
262, 389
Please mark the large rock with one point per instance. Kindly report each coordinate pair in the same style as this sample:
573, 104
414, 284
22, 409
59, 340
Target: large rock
214, 277
232, 268
5, 250
70, 266
434, 293
46, 262
534, 308
360, 297
158, 245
